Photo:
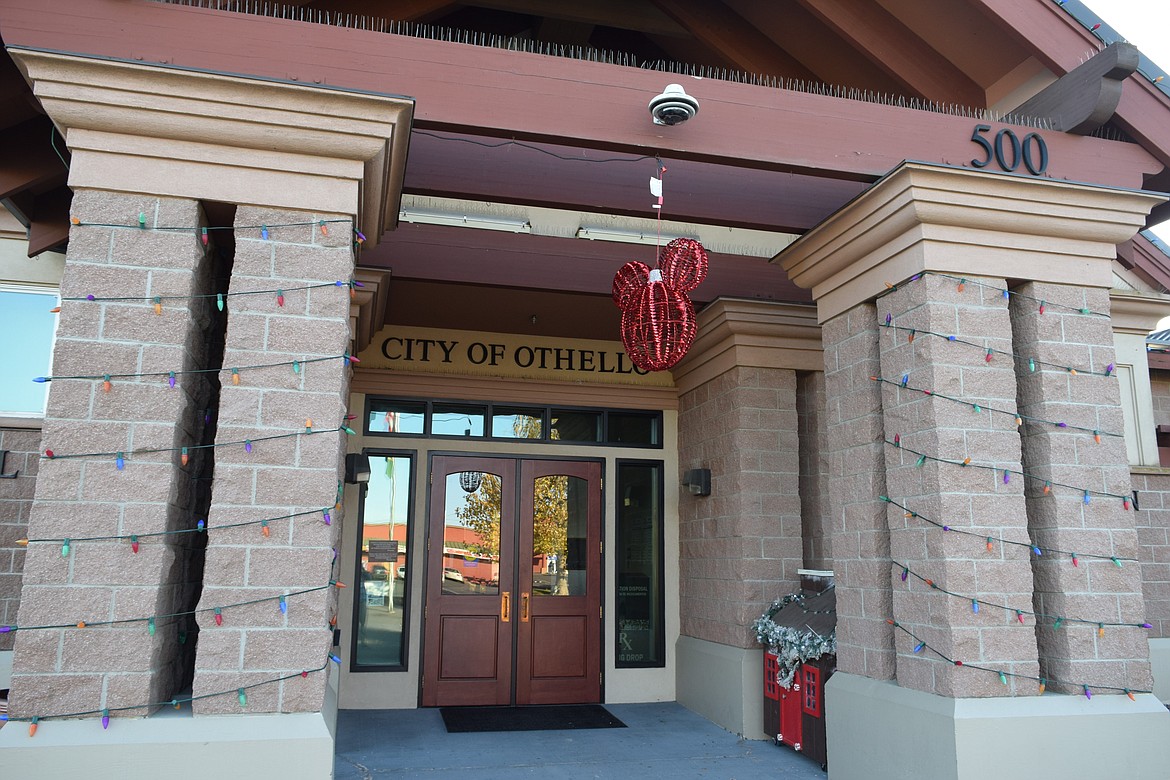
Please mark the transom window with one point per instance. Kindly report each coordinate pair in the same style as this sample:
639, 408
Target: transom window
479, 420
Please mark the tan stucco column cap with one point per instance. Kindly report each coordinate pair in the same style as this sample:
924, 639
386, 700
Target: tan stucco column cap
1137, 313
739, 332
926, 217
210, 136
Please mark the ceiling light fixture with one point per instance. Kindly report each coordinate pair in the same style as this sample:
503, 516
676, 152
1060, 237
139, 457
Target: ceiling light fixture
465, 220
627, 236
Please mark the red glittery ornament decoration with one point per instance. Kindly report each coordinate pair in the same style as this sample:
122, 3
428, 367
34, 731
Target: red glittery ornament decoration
658, 319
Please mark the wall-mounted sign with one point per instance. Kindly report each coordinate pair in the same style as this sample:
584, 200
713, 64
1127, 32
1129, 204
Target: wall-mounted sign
429, 350
382, 550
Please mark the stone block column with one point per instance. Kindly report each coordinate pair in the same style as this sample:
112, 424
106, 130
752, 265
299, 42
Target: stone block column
294, 478
117, 661
857, 517
1095, 518
944, 404
814, 470
740, 547
943, 261
160, 141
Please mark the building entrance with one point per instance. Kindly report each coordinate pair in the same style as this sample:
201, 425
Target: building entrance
513, 592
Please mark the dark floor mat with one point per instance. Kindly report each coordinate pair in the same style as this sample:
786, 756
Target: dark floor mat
571, 716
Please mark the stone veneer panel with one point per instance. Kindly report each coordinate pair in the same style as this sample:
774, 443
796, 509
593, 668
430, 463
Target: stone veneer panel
814, 470
73, 669
16, 498
938, 431
257, 644
857, 519
740, 547
1153, 530
1060, 341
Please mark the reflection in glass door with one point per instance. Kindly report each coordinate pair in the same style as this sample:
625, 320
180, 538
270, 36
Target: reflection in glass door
381, 597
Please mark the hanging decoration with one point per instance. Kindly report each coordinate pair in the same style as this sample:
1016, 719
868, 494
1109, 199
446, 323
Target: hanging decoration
658, 318
470, 480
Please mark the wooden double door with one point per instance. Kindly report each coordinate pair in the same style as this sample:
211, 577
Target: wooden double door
513, 593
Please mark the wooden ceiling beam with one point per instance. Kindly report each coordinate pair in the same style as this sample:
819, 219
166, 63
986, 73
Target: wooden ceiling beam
695, 192
895, 49
27, 160
49, 226
507, 94
1086, 97
622, 14
726, 32
396, 10
467, 256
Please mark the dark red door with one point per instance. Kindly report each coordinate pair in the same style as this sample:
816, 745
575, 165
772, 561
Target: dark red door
513, 610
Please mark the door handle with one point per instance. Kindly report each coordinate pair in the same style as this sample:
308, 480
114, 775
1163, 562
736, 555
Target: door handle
505, 606
523, 607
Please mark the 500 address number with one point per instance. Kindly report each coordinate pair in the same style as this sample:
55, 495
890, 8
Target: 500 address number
1009, 151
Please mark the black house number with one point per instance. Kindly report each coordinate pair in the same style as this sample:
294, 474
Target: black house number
1009, 152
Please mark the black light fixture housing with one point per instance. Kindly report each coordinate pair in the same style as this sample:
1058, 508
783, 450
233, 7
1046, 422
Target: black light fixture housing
357, 468
698, 481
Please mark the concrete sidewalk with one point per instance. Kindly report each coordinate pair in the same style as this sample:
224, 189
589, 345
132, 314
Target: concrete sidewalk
662, 740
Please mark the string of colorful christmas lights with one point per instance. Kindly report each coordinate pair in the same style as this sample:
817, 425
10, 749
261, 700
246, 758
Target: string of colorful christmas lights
158, 299
152, 620
172, 376
121, 456
1057, 620
1007, 473
176, 702
1006, 293
1036, 549
201, 527
976, 407
990, 352
1087, 689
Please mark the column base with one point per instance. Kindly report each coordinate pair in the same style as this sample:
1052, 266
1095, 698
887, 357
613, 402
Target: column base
723, 684
1160, 668
174, 745
878, 730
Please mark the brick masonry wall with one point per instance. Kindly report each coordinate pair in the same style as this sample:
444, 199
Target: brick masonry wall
1096, 589
1153, 532
857, 519
122, 665
814, 470
1160, 390
16, 498
945, 427
740, 548
260, 643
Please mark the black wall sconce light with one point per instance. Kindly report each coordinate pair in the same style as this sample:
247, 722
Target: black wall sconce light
698, 481
357, 468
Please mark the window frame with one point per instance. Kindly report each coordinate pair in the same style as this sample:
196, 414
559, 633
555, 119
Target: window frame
53, 291
489, 407
659, 646
359, 595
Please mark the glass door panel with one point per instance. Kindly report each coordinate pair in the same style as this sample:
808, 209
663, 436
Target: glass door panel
471, 534
559, 532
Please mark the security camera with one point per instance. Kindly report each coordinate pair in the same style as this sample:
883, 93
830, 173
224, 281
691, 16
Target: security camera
673, 106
